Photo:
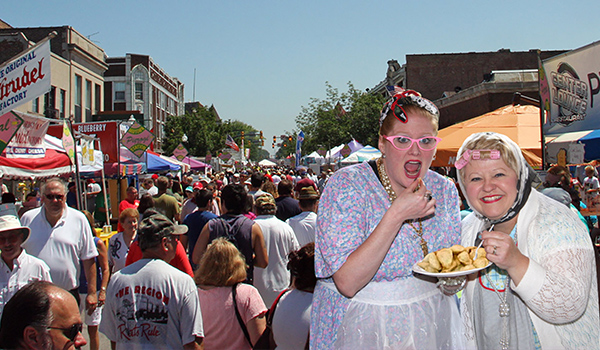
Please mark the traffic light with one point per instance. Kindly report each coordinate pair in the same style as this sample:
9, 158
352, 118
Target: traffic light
290, 138
261, 136
274, 139
242, 134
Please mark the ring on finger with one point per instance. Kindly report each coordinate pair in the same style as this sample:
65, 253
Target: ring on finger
494, 252
428, 196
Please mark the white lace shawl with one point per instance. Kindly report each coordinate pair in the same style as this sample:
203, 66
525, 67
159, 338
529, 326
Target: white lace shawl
559, 287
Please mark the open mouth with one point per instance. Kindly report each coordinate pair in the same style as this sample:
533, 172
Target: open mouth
412, 169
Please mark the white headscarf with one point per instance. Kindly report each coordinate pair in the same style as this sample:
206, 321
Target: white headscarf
525, 175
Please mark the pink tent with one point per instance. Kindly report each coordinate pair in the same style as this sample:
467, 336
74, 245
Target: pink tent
194, 164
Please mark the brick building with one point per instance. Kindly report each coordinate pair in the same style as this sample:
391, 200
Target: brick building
136, 83
466, 85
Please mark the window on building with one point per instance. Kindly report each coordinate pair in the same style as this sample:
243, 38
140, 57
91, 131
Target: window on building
88, 100
62, 102
139, 91
119, 91
50, 110
97, 98
35, 105
78, 98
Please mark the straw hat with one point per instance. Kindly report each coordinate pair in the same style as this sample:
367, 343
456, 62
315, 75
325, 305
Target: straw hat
12, 223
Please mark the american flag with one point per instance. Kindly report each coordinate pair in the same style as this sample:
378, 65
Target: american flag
394, 90
229, 142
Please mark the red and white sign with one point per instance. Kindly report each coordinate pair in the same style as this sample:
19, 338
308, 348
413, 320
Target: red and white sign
105, 131
25, 78
28, 142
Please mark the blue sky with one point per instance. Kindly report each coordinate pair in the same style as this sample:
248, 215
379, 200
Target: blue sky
261, 61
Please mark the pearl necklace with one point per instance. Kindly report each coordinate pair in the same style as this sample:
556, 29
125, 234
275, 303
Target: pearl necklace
387, 186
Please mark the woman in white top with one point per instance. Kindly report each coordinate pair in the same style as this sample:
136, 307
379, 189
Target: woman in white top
291, 319
541, 292
118, 245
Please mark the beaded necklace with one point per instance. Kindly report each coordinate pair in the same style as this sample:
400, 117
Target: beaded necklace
387, 186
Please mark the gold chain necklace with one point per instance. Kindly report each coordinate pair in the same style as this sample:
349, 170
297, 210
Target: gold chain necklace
387, 186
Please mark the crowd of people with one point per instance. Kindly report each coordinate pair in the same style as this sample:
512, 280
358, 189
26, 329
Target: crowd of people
278, 258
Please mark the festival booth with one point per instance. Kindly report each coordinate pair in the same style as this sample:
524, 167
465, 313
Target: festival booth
364, 154
587, 141
520, 123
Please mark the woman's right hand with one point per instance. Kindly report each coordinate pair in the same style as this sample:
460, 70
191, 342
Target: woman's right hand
413, 203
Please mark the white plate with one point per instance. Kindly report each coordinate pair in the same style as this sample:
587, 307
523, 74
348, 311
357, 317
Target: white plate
416, 268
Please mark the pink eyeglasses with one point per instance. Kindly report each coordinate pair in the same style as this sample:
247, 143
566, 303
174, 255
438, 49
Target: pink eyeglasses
402, 143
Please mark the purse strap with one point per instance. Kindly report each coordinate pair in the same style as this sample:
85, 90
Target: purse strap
271, 311
237, 314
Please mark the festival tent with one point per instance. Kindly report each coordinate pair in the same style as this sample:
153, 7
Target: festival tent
364, 154
193, 163
520, 123
155, 163
266, 163
54, 163
589, 138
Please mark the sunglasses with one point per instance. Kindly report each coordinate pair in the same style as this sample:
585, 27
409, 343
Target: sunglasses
70, 332
58, 197
402, 143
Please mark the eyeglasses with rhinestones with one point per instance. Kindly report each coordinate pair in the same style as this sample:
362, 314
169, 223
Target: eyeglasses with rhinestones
402, 143
70, 332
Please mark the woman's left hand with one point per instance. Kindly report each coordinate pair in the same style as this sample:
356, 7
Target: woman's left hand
502, 251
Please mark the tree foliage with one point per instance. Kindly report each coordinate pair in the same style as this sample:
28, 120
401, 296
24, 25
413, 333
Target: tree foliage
339, 118
206, 133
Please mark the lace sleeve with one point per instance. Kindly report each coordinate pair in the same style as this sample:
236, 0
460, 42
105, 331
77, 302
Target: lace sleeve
563, 295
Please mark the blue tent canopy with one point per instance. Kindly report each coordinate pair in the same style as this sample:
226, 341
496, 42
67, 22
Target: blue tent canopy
156, 163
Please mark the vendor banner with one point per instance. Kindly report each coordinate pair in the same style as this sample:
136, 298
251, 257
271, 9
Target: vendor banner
26, 77
68, 141
87, 151
137, 139
9, 124
180, 152
28, 141
299, 141
570, 90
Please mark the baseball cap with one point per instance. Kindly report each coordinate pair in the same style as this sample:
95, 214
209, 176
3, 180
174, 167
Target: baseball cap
197, 185
154, 176
156, 226
189, 189
10, 223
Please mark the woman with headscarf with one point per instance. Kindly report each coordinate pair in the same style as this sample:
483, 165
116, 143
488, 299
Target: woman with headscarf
376, 220
541, 291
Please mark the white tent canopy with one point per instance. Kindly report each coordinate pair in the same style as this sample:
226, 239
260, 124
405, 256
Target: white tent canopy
266, 163
364, 154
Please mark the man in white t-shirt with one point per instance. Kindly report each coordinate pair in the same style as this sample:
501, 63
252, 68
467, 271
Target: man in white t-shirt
305, 223
152, 305
279, 241
17, 268
62, 237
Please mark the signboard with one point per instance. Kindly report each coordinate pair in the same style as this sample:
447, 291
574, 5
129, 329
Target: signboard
570, 90
346, 151
68, 141
25, 77
9, 124
180, 152
28, 141
137, 139
105, 131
